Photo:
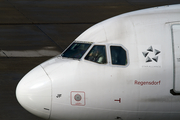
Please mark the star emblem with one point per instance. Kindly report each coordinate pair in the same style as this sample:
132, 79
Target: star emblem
155, 53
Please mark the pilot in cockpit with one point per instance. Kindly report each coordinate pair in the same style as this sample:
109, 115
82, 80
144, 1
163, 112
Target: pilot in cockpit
97, 54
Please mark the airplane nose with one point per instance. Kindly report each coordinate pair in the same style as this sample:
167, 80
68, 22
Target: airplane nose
33, 92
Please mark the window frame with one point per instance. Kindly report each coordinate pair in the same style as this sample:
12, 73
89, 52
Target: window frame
71, 44
106, 51
110, 57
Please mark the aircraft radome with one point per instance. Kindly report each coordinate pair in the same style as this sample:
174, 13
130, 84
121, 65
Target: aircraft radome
126, 68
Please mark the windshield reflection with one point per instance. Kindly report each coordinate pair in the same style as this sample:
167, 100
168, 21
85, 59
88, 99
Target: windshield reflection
76, 50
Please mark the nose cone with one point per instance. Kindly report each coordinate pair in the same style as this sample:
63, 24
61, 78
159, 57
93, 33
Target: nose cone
34, 92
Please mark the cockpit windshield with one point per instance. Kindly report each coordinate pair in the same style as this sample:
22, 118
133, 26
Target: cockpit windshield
76, 50
97, 54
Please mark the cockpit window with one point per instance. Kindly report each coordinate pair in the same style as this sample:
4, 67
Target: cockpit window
118, 55
76, 50
97, 54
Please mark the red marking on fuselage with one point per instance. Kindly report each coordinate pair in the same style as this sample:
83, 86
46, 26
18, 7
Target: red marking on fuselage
118, 100
136, 82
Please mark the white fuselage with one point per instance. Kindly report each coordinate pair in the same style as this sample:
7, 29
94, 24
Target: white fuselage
144, 87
